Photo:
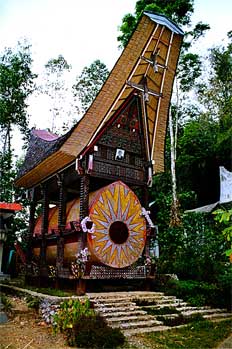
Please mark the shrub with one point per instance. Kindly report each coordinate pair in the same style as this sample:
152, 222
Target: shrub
83, 328
197, 293
7, 305
93, 332
33, 302
69, 313
194, 250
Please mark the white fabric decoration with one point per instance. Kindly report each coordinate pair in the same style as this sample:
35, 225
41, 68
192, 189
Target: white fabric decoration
84, 227
225, 185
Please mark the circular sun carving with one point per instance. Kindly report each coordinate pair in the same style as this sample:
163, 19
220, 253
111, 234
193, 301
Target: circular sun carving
120, 231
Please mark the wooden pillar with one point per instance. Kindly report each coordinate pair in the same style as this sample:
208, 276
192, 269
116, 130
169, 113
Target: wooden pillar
84, 211
44, 227
61, 223
84, 204
145, 201
30, 232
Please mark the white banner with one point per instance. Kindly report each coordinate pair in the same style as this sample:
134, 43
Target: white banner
225, 185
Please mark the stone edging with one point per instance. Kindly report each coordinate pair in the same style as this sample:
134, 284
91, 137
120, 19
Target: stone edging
40, 295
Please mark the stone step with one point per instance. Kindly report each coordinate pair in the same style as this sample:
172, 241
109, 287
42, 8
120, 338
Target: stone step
218, 316
131, 308
111, 300
123, 313
153, 296
169, 316
118, 307
122, 293
181, 304
136, 324
182, 309
129, 318
202, 312
155, 300
113, 304
135, 331
161, 306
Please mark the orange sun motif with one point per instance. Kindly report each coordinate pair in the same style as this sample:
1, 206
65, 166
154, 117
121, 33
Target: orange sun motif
120, 230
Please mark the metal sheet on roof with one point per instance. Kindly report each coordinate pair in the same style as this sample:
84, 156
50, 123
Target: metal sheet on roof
163, 20
204, 209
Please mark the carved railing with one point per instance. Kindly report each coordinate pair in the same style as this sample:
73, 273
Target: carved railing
104, 272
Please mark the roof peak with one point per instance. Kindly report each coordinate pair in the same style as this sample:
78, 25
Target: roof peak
164, 20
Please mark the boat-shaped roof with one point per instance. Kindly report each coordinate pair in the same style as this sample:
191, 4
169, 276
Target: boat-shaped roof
147, 67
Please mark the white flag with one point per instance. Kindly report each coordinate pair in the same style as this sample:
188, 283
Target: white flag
225, 185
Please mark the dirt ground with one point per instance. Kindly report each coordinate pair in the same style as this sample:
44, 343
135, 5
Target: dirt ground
26, 330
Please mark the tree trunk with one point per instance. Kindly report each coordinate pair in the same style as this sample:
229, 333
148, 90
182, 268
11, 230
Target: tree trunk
175, 217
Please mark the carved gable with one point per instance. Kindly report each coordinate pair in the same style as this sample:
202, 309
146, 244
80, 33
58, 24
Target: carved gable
121, 151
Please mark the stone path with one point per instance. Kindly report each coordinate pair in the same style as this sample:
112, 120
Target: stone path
121, 309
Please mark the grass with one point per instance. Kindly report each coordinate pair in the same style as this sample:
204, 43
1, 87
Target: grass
197, 335
48, 290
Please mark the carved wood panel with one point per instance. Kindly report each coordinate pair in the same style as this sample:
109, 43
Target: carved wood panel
121, 151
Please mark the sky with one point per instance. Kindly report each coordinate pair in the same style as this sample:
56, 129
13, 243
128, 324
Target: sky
86, 30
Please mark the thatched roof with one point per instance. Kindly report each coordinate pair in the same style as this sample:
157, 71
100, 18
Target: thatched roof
148, 62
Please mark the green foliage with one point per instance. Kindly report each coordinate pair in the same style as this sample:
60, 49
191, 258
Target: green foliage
216, 95
16, 84
90, 82
70, 312
197, 161
7, 305
33, 302
199, 334
57, 65
49, 291
200, 293
7, 176
93, 332
83, 328
225, 218
193, 250
189, 70
179, 11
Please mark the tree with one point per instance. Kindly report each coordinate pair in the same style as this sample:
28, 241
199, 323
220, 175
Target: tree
205, 140
89, 83
56, 86
179, 11
16, 84
216, 96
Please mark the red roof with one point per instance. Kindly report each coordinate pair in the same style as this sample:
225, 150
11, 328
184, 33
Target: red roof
12, 206
45, 135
